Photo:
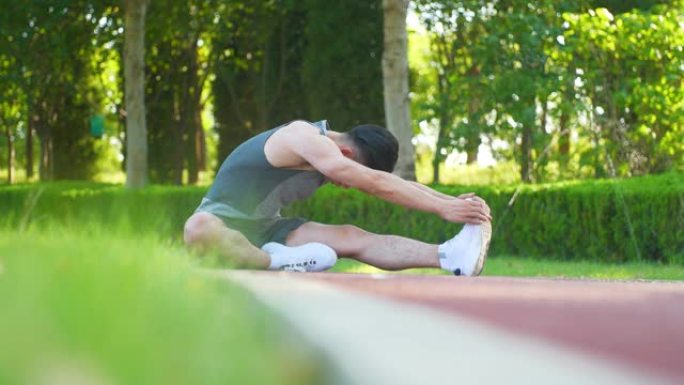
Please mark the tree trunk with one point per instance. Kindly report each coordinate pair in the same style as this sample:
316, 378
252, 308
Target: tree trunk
180, 128
395, 82
439, 145
473, 138
45, 170
436, 160
544, 115
526, 154
540, 160
193, 115
194, 147
564, 139
134, 73
29, 149
10, 155
42, 126
51, 158
178, 150
202, 149
472, 147
593, 128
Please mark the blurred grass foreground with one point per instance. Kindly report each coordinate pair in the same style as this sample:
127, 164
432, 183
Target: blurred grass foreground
95, 287
86, 308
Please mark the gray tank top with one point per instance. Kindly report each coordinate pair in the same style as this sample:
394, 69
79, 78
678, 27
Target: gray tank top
248, 187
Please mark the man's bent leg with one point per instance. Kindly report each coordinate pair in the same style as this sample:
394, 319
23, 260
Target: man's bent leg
388, 252
206, 233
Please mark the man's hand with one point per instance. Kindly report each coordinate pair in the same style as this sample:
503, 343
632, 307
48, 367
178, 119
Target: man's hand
473, 211
477, 198
449, 206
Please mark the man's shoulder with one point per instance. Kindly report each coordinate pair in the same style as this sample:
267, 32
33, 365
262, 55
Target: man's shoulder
300, 129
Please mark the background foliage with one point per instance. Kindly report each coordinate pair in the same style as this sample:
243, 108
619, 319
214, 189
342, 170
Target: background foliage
233, 68
562, 89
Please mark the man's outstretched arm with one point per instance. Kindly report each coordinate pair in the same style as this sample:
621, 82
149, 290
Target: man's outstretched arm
321, 153
449, 197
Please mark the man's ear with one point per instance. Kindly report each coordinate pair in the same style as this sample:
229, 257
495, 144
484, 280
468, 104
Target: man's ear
347, 151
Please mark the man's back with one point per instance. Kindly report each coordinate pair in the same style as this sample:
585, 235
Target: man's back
248, 186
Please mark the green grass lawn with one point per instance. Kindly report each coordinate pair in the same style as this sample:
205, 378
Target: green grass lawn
95, 288
88, 308
526, 267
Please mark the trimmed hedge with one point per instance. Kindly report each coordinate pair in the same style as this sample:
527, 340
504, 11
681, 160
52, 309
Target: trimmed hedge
156, 209
567, 221
608, 220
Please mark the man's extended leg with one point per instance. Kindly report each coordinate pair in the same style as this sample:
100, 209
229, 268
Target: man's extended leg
206, 233
388, 252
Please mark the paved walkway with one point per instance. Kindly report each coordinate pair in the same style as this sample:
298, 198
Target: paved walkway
398, 329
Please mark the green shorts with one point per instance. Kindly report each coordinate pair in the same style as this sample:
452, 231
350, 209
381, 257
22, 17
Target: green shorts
262, 231
258, 231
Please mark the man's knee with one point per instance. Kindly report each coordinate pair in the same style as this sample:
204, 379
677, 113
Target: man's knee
352, 232
355, 238
200, 228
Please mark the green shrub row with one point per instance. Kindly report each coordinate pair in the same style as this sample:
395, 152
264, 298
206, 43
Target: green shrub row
608, 220
154, 210
637, 219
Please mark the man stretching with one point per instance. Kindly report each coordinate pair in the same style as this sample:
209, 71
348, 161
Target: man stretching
239, 219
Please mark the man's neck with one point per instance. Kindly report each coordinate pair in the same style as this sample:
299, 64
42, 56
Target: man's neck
337, 137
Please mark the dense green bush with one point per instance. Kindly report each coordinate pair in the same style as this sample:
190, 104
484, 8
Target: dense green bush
601, 220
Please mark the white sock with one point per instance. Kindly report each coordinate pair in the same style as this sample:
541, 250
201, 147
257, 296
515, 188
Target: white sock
308, 257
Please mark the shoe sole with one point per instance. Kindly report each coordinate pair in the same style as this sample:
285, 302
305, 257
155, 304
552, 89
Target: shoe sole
486, 237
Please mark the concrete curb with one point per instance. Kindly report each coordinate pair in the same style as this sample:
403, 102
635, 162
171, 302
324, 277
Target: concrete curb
370, 340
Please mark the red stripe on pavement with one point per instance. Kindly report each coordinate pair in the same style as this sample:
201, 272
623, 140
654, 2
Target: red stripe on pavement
638, 323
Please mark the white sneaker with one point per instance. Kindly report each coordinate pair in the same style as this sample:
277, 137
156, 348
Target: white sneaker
310, 257
466, 253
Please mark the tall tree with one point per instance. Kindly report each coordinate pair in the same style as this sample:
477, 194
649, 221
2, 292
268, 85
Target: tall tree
395, 80
10, 113
458, 102
134, 73
342, 72
258, 53
176, 71
283, 60
629, 75
519, 33
54, 72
